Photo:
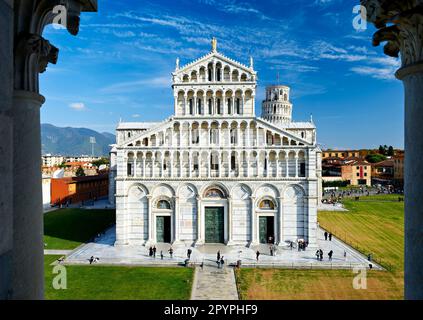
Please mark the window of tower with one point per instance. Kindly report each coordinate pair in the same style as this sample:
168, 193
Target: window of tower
210, 74
191, 109
230, 106
238, 105
285, 97
210, 106
199, 106
213, 136
274, 109
233, 136
218, 106
214, 164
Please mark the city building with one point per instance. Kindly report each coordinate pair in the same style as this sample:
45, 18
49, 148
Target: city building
70, 169
399, 171
383, 172
357, 172
71, 190
214, 172
341, 154
49, 160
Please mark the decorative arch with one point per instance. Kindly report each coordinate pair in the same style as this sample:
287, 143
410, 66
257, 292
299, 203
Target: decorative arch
163, 189
137, 190
266, 190
215, 185
163, 203
267, 203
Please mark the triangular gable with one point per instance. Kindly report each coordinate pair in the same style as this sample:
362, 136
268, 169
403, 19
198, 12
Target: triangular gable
218, 56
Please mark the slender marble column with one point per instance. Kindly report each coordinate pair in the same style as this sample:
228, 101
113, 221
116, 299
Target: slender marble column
280, 221
254, 235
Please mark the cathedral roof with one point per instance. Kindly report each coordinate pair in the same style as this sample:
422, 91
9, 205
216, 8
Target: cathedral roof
136, 125
299, 125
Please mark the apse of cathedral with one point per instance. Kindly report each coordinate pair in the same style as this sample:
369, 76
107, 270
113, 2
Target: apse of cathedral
214, 172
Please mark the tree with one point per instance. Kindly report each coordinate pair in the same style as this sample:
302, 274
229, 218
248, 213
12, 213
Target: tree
390, 151
374, 158
99, 162
382, 150
80, 172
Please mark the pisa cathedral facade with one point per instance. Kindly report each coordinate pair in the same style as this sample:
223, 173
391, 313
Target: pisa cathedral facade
214, 172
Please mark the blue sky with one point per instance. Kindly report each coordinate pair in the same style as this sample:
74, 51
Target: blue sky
119, 65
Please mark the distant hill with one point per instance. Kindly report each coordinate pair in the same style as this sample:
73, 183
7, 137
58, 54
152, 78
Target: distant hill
74, 141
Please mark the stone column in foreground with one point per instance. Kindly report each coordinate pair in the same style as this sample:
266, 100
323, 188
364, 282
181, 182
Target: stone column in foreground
404, 37
32, 54
6, 148
28, 281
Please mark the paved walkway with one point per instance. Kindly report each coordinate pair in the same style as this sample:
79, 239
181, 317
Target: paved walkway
211, 283
104, 249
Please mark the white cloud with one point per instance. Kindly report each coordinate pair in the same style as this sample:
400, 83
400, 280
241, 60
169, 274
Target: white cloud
131, 86
377, 73
78, 106
136, 115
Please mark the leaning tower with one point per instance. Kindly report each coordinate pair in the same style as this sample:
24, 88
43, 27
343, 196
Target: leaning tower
277, 108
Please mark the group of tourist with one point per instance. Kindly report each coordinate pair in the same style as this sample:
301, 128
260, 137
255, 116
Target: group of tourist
319, 255
153, 250
328, 236
93, 259
220, 261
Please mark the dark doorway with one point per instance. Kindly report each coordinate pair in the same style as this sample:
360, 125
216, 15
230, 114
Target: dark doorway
267, 229
214, 224
163, 231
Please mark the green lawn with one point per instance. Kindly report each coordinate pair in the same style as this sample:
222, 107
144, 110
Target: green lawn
375, 225
68, 228
119, 283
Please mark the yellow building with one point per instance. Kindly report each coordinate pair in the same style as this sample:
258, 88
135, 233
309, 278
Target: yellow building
342, 154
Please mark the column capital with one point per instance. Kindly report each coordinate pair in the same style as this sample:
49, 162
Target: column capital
32, 52
399, 23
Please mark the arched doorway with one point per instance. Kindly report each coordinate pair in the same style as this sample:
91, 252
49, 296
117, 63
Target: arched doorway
266, 215
215, 217
163, 214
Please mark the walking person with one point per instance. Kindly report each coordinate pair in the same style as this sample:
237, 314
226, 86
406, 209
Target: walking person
171, 252
326, 236
161, 254
222, 262
318, 254
321, 255
218, 255
150, 251
257, 255
330, 236
154, 252
330, 255
189, 251
271, 250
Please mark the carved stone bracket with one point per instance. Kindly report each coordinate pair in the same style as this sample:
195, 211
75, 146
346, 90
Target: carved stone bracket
400, 24
32, 52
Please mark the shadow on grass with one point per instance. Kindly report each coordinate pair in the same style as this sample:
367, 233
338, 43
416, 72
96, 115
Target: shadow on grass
77, 225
